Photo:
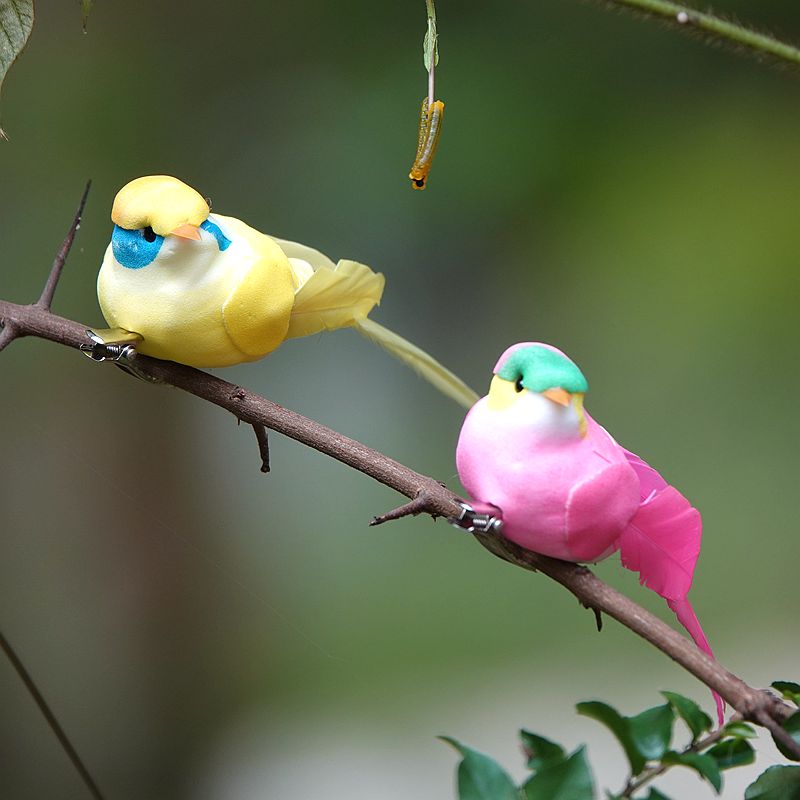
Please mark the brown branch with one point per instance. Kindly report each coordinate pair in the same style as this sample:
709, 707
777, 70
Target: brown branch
753, 704
50, 717
428, 496
46, 299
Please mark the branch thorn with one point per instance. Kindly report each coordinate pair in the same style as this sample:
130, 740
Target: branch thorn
46, 299
263, 445
417, 505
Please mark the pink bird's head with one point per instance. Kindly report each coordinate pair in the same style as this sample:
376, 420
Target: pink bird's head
538, 383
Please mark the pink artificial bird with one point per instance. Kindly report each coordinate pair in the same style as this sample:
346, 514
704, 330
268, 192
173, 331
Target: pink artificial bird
530, 455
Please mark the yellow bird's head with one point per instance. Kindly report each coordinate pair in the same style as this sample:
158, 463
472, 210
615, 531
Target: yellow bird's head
199, 288
162, 203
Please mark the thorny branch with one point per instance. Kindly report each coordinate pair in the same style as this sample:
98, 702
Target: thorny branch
427, 496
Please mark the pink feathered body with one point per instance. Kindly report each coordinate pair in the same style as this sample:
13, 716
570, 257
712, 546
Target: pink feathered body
580, 498
569, 499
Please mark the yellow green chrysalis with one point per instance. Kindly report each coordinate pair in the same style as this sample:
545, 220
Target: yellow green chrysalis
430, 128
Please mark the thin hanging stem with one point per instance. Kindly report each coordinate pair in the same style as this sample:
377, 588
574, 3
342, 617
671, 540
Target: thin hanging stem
431, 49
431, 84
716, 28
47, 713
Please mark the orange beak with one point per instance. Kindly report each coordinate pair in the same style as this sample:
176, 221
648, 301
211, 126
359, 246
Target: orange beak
187, 231
558, 395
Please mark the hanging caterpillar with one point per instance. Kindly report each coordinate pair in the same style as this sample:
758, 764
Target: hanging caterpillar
430, 128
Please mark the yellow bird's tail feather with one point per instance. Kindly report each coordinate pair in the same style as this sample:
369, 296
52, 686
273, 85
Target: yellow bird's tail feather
425, 365
331, 296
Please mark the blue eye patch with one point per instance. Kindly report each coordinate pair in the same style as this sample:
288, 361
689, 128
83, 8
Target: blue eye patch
135, 249
138, 248
222, 240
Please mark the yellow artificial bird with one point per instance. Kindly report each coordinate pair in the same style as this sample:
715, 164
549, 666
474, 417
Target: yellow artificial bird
210, 291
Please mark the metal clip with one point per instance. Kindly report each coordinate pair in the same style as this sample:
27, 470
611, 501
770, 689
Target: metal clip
471, 522
119, 347
100, 351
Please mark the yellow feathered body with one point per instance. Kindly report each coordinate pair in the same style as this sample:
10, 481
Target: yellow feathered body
208, 290
202, 307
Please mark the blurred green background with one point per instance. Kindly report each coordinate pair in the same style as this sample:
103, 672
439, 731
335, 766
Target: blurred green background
204, 631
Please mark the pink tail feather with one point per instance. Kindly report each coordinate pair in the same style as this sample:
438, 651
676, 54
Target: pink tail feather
662, 543
685, 613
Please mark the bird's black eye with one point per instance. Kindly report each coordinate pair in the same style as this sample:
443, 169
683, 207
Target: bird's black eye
518, 385
149, 234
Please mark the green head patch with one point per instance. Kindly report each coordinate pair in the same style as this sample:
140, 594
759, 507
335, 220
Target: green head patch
539, 368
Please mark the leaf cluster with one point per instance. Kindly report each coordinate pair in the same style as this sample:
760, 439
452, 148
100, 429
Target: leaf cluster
556, 775
647, 741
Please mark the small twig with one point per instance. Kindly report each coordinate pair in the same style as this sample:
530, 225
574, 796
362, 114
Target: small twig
420, 504
715, 28
263, 445
777, 730
46, 299
47, 713
8, 333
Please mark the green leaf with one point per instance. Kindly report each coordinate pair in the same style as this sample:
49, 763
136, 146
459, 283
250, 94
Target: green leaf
741, 729
541, 752
790, 686
481, 777
430, 45
570, 779
619, 726
776, 783
16, 22
651, 731
732, 753
86, 9
691, 713
789, 689
701, 763
792, 726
